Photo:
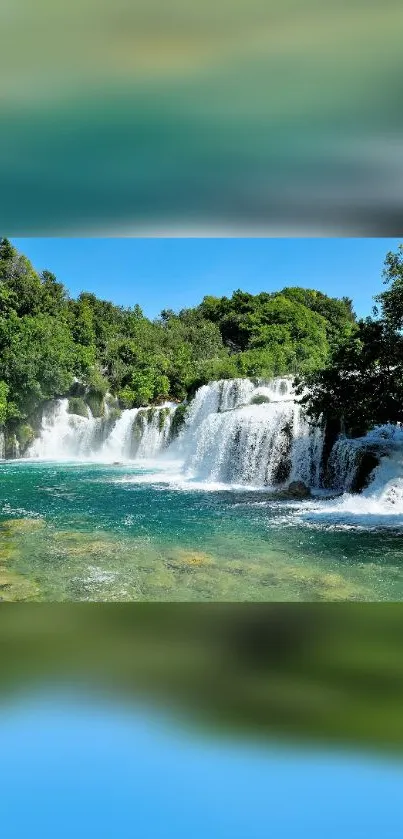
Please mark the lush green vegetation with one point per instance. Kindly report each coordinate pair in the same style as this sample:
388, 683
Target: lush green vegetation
52, 345
361, 384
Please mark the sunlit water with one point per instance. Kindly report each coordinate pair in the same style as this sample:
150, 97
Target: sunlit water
100, 532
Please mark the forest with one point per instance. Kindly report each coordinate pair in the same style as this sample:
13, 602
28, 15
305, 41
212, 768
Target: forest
52, 345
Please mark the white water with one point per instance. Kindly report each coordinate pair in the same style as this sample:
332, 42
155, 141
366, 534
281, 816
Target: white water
66, 436
381, 503
63, 436
233, 438
230, 438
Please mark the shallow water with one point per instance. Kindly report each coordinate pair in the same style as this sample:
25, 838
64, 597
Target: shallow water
87, 531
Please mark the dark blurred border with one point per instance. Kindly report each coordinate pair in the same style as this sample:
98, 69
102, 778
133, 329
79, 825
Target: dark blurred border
249, 117
328, 673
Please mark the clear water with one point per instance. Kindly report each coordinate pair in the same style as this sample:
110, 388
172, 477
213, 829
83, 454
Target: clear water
88, 531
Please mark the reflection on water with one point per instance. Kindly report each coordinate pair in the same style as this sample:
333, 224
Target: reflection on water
96, 532
76, 767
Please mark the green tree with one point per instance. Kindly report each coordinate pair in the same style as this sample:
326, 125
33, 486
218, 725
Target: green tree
362, 383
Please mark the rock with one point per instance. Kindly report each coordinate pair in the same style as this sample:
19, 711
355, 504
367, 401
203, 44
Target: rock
297, 489
367, 461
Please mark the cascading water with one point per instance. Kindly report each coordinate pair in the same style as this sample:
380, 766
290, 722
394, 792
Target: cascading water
383, 496
153, 430
117, 446
240, 431
137, 432
249, 433
64, 435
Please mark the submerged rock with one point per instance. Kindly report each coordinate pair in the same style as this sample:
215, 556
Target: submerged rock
296, 489
12, 526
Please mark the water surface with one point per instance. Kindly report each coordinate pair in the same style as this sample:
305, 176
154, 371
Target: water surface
89, 531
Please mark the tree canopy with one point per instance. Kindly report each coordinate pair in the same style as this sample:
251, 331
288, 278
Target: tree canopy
361, 385
51, 343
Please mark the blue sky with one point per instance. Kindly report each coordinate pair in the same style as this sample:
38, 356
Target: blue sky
88, 769
174, 273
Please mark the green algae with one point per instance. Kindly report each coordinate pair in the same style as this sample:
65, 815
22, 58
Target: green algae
15, 588
25, 525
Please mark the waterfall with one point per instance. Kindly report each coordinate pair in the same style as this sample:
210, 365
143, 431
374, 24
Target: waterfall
249, 433
64, 436
386, 487
382, 499
117, 445
136, 433
342, 463
237, 432
153, 430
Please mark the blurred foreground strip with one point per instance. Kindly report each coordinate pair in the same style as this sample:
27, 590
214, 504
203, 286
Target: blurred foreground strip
232, 116
330, 673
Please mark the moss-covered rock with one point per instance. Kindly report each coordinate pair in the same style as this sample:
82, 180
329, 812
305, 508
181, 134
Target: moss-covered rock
151, 413
77, 389
114, 414
16, 587
178, 420
77, 406
331, 432
282, 471
15, 526
163, 413
296, 489
111, 400
25, 435
11, 445
96, 404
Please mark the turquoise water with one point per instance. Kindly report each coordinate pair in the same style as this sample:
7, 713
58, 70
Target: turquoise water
95, 532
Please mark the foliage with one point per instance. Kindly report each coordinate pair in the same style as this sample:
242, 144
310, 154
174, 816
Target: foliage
95, 403
362, 383
52, 345
77, 406
3, 402
259, 399
25, 435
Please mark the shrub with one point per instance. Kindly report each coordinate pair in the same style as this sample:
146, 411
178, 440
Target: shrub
259, 399
77, 406
95, 403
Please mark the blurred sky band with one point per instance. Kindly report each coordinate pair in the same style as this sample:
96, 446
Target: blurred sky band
226, 117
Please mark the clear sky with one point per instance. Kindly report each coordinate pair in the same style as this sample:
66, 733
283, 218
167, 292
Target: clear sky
97, 771
175, 273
